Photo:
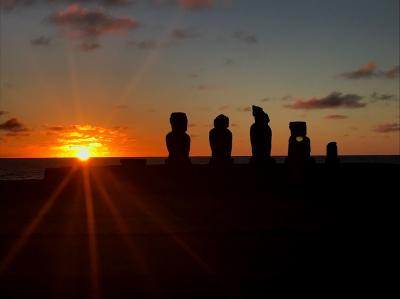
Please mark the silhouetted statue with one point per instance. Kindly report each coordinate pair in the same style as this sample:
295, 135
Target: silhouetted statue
260, 137
221, 141
178, 142
332, 154
299, 144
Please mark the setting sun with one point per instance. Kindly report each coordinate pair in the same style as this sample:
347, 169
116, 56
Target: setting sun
83, 153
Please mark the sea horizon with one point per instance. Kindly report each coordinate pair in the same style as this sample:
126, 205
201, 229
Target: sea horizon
34, 168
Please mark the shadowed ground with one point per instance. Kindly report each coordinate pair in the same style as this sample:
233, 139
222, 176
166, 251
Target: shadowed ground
155, 232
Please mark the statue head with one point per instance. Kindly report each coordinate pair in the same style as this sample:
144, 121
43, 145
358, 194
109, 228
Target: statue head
221, 122
178, 121
298, 128
259, 115
331, 149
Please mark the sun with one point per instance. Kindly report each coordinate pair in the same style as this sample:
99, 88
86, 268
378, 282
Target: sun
83, 153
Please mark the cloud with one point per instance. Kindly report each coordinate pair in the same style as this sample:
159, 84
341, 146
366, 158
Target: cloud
365, 71
13, 126
248, 38
56, 128
370, 70
333, 100
384, 97
41, 41
228, 62
148, 44
87, 46
244, 109
266, 99
391, 73
180, 33
11, 4
2, 112
204, 87
287, 97
387, 128
336, 116
100, 140
193, 76
175, 35
89, 24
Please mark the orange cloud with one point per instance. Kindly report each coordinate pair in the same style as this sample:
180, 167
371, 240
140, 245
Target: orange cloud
336, 116
387, 128
99, 141
366, 71
370, 71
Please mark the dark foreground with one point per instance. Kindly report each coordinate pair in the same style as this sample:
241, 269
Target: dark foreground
238, 233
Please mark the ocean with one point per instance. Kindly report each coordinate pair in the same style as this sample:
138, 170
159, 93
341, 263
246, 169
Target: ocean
33, 168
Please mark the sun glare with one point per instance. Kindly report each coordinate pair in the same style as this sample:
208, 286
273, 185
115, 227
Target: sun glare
83, 153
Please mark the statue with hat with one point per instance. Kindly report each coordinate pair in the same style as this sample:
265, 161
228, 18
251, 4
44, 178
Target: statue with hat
260, 137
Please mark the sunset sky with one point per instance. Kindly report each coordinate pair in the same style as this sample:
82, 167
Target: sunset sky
107, 74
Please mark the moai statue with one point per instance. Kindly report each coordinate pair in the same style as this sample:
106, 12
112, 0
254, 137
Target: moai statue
332, 154
299, 144
221, 141
260, 137
178, 142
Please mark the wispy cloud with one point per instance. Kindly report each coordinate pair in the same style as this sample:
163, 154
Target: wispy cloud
228, 62
148, 44
248, 38
41, 41
335, 116
287, 97
382, 97
333, 100
89, 24
370, 70
392, 72
13, 127
365, 71
180, 33
88, 45
387, 128
244, 109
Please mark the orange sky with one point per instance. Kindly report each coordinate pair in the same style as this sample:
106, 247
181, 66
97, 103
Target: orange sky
67, 83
